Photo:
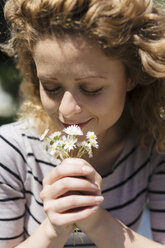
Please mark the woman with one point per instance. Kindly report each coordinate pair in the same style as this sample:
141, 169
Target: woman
99, 65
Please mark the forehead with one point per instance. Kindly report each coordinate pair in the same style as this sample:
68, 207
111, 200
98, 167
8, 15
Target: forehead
72, 54
64, 45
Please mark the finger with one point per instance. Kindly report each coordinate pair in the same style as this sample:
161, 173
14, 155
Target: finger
72, 202
59, 219
95, 178
66, 184
69, 167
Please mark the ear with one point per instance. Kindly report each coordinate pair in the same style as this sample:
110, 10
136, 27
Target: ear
130, 84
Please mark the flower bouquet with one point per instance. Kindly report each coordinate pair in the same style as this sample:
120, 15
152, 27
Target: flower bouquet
65, 144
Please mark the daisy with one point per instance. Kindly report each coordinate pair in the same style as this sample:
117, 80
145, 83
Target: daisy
88, 148
94, 143
55, 135
73, 130
90, 154
54, 148
44, 134
82, 144
62, 141
62, 146
91, 136
70, 144
84, 147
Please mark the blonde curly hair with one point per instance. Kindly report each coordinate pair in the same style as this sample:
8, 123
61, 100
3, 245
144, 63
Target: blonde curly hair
131, 30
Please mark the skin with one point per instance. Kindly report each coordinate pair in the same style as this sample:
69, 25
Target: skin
70, 72
72, 191
76, 88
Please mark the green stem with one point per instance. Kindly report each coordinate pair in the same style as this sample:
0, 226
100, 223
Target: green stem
78, 154
81, 152
64, 152
82, 241
75, 231
74, 241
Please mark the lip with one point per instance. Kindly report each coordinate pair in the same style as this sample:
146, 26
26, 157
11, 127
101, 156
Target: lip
80, 124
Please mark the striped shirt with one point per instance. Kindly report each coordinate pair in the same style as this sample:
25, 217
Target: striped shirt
137, 177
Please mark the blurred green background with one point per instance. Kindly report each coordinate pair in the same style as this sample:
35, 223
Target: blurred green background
9, 77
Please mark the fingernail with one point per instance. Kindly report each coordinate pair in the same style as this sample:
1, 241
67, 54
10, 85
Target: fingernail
99, 199
94, 186
87, 169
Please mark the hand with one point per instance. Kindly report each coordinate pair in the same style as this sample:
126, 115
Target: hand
71, 193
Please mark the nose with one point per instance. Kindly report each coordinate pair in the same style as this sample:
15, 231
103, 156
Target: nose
68, 105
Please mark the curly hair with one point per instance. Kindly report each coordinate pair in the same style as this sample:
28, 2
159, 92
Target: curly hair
131, 30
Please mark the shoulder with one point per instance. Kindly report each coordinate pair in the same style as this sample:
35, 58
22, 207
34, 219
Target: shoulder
21, 141
20, 149
10, 131
138, 155
13, 142
147, 154
17, 133
10, 136
12, 159
17, 130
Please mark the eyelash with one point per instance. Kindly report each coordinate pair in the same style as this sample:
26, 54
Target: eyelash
52, 91
89, 93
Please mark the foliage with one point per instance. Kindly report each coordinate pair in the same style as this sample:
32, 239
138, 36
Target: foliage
9, 77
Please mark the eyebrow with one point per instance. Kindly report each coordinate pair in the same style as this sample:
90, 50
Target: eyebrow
46, 78
90, 76
77, 79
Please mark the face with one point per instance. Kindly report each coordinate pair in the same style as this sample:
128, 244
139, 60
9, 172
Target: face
79, 84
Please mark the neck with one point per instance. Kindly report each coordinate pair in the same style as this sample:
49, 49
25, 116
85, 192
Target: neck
111, 144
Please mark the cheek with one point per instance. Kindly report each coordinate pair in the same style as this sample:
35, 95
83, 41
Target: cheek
111, 105
49, 104
118, 96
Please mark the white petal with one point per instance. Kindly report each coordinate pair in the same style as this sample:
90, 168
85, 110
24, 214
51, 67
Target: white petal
91, 136
44, 134
73, 130
55, 134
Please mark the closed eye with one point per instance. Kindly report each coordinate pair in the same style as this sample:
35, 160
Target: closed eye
91, 92
53, 90
58, 89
